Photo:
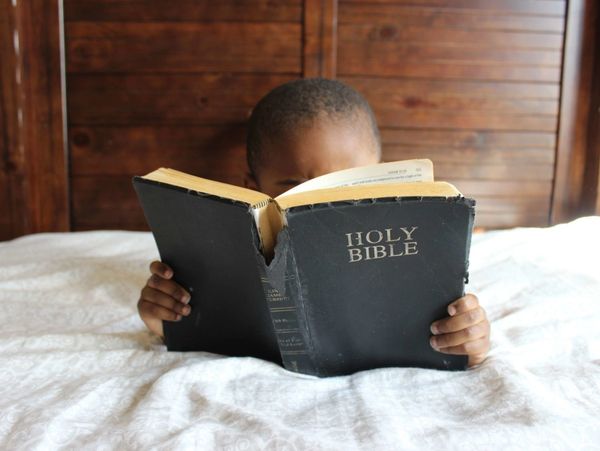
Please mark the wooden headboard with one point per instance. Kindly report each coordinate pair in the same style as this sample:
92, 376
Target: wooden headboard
500, 94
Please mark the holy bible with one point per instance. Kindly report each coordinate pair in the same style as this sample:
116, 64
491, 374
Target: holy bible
343, 273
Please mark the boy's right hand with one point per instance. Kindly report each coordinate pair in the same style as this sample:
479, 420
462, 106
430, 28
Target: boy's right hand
162, 299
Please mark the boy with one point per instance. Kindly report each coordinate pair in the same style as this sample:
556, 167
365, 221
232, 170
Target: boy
298, 131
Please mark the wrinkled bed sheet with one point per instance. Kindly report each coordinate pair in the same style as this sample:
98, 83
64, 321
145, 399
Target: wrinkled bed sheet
79, 370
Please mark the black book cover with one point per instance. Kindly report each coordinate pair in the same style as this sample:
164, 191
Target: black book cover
211, 244
353, 285
370, 277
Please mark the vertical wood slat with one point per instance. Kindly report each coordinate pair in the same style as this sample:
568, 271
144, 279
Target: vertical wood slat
319, 38
569, 196
592, 174
32, 103
11, 179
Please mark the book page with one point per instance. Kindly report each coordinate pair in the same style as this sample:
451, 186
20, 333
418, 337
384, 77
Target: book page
369, 191
417, 170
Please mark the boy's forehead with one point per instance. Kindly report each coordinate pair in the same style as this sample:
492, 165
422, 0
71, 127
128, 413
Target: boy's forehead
324, 146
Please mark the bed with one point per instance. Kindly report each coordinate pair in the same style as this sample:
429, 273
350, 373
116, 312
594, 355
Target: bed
80, 370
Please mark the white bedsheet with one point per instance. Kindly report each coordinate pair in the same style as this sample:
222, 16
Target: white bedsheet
80, 371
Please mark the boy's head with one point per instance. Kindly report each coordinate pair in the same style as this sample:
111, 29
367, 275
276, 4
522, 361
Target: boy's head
306, 128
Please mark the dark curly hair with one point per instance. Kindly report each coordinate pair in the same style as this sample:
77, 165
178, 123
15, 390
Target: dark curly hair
296, 103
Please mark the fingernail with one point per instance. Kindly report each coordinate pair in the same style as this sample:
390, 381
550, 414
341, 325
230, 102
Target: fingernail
185, 298
434, 329
433, 343
178, 318
451, 310
186, 310
168, 273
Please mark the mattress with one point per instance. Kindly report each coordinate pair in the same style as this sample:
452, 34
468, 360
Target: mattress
79, 370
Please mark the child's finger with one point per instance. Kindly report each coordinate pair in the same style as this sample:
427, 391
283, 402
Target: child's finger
458, 322
467, 302
169, 287
476, 359
158, 297
471, 333
479, 346
153, 310
161, 269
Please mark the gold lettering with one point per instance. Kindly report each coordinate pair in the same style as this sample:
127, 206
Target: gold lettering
384, 244
388, 235
379, 251
355, 255
410, 246
359, 241
368, 237
392, 253
408, 234
349, 236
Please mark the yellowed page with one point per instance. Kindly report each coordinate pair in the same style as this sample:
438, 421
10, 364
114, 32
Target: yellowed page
269, 221
265, 212
202, 185
425, 189
417, 170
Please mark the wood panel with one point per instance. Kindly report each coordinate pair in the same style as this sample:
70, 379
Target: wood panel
479, 139
106, 202
34, 168
476, 85
461, 104
461, 38
455, 40
151, 84
472, 84
592, 173
166, 98
12, 194
183, 11
448, 17
319, 38
183, 47
539, 7
201, 150
573, 188
445, 44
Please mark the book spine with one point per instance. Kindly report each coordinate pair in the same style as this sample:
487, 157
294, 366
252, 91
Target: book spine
282, 293
470, 203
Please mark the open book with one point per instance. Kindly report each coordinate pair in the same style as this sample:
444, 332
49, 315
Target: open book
341, 273
366, 182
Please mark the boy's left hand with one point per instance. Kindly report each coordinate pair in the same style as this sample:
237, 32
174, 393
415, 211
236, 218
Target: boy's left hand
465, 331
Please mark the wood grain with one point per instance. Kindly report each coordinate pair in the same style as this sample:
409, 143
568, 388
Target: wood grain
32, 114
377, 88
387, 58
13, 209
183, 47
420, 39
207, 151
319, 37
134, 99
460, 104
465, 39
568, 196
183, 11
478, 139
415, 15
592, 174
539, 7
472, 84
